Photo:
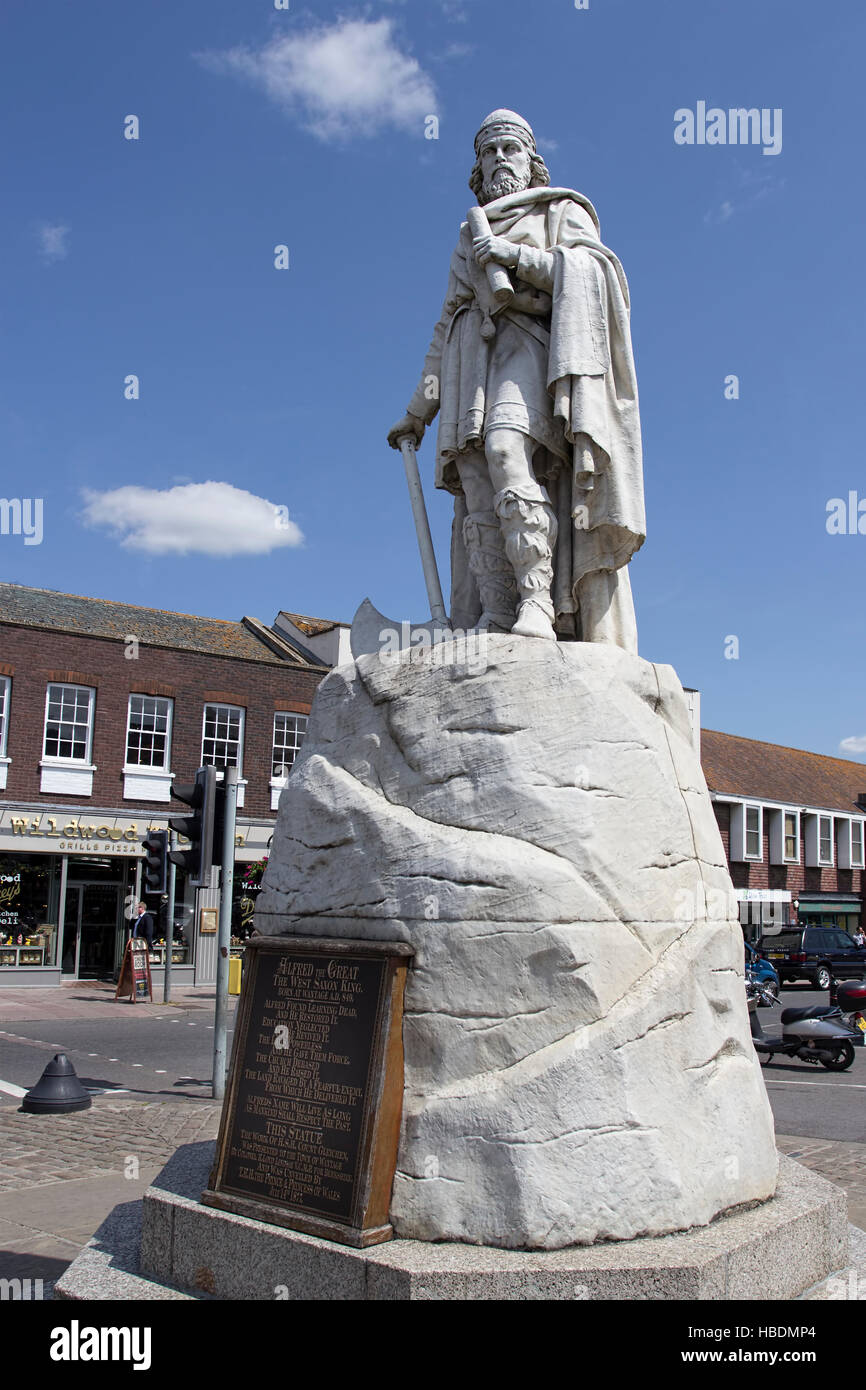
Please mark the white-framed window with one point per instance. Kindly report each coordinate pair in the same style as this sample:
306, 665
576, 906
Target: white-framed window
825, 841
68, 723
753, 832
784, 829
747, 831
849, 843
222, 743
791, 831
5, 695
148, 732
289, 731
857, 839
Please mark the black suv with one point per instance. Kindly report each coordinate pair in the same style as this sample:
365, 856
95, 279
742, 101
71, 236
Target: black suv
813, 954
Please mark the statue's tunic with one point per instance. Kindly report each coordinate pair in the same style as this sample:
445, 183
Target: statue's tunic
559, 365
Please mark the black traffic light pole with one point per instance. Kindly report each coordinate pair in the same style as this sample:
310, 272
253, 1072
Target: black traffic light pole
169, 935
211, 835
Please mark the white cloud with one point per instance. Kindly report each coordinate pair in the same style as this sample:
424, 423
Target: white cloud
855, 744
751, 188
203, 518
458, 50
344, 79
52, 241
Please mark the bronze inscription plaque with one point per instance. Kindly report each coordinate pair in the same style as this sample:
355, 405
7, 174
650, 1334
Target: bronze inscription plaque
308, 1073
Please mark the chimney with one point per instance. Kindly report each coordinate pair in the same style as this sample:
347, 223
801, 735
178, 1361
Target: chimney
693, 700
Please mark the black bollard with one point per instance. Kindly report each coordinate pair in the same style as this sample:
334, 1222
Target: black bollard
58, 1090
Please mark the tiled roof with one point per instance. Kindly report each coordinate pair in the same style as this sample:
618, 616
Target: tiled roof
97, 617
736, 766
311, 627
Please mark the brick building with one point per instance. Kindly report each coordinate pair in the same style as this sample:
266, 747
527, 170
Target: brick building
792, 824
102, 707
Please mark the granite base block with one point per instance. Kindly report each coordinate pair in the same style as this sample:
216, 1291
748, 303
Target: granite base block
782, 1249
108, 1267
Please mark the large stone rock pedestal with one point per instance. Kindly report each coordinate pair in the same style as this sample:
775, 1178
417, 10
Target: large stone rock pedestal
533, 819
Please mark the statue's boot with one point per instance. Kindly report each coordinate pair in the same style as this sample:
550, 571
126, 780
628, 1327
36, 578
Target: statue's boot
529, 526
485, 549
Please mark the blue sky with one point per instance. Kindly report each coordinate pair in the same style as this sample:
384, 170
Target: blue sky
305, 127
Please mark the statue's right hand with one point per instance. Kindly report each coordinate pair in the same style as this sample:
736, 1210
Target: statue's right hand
410, 424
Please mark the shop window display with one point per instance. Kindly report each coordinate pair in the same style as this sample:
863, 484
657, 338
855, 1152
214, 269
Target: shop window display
29, 909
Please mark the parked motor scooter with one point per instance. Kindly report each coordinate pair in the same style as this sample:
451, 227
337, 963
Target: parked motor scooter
825, 1033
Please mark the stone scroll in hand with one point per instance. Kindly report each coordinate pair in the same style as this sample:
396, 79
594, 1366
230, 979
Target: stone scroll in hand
497, 276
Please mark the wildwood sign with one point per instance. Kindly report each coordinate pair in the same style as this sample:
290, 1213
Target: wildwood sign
311, 1122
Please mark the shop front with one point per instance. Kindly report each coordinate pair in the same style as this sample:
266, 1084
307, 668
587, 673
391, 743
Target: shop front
67, 889
69, 884
830, 910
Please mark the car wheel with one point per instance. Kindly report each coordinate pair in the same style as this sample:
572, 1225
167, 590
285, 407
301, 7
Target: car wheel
822, 978
841, 1060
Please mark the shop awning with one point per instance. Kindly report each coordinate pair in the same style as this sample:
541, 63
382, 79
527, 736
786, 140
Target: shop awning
830, 904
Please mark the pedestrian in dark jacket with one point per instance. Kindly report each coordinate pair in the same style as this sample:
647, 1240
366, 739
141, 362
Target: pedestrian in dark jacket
143, 925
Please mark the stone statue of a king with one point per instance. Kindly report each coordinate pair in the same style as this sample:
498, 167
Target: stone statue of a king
539, 431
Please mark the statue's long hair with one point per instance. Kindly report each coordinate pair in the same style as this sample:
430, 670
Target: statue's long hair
539, 175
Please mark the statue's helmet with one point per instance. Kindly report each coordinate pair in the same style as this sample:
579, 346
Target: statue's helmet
505, 122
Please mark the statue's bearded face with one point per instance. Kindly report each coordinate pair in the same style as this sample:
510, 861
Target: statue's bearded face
505, 165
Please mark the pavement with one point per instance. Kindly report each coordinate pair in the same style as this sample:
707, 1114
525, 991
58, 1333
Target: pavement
94, 999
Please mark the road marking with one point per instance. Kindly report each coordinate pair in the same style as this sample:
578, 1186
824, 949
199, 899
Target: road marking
848, 1085
138, 1064
106, 1091
161, 1071
11, 1089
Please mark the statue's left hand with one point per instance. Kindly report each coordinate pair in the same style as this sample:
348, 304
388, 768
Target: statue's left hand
495, 248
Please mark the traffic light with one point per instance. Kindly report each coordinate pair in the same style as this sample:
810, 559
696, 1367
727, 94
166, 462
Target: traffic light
203, 852
155, 866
